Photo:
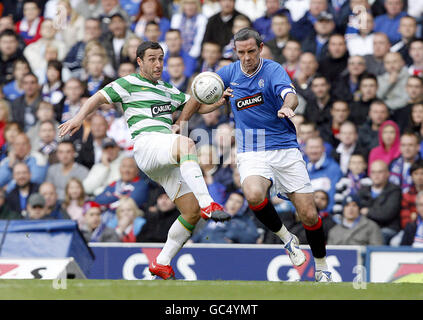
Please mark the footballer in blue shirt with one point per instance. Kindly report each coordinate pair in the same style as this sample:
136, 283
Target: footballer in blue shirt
263, 100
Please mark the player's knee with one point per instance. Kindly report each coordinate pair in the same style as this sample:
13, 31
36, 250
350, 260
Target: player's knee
254, 196
186, 146
308, 216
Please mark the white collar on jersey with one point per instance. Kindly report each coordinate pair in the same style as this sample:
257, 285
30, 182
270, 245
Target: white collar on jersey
255, 72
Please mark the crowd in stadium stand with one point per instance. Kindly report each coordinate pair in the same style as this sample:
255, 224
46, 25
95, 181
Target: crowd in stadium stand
357, 66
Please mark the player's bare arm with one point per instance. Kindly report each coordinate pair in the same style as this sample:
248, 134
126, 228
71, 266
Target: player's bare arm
289, 105
194, 106
71, 126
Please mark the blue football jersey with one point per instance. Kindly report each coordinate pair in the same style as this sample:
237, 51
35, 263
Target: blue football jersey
255, 105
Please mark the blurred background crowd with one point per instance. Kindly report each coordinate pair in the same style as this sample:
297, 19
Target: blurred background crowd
357, 66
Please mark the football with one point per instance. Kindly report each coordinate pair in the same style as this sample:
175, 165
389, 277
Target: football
207, 87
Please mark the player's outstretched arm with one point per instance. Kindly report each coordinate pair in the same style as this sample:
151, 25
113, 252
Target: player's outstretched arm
206, 108
290, 103
71, 126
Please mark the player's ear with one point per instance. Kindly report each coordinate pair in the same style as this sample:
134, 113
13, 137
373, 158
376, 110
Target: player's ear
139, 61
261, 47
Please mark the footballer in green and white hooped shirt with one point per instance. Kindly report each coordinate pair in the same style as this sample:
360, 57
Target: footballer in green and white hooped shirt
169, 159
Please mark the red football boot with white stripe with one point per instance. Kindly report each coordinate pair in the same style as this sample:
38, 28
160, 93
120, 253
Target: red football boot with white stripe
162, 271
215, 212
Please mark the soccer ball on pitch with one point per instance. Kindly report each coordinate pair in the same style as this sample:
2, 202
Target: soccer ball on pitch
207, 87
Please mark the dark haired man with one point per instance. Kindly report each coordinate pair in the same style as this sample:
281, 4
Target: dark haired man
167, 158
263, 101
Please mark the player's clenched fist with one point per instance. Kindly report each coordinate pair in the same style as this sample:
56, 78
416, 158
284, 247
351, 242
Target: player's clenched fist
285, 112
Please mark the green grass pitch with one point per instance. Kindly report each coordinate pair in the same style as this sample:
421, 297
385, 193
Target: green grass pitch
204, 290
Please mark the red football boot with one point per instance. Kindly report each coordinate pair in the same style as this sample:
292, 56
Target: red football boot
162, 271
215, 212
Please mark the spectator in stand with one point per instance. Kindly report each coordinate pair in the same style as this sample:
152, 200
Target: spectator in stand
150, 10
34, 52
129, 184
317, 41
389, 144
17, 198
48, 143
129, 220
355, 178
96, 47
291, 54
11, 130
153, 33
219, 26
52, 89
9, 53
336, 60
416, 54
73, 203
392, 83
115, 39
402, 116
240, 22
303, 77
318, 109
14, 89
89, 9
400, 167
94, 230
91, 150
355, 228
192, 24
71, 102
408, 203
416, 121
60, 173
362, 42
109, 8
309, 129
174, 47
73, 29
407, 29
96, 77
330, 131
389, 23
368, 133
4, 119
224, 141
214, 175
125, 68
5, 212
105, 172
367, 89
30, 25
381, 46
324, 171
348, 145
381, 202
129, 50
346, 86
210, 57
175, 68
53, 204
25, 107
158, 221
280, 27
304, 26
205, 130
76, 54
21, 152
36, 208
45, 112
240, 229
413, 231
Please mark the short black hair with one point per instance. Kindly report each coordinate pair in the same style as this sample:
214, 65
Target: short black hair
416, 165
9, 33
248, 33
143, 47
67, 141
365, 76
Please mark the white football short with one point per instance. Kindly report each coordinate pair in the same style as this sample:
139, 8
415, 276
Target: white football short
285, 168
153, 154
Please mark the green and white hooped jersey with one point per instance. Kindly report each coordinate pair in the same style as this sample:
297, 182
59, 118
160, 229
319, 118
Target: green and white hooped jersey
147, 106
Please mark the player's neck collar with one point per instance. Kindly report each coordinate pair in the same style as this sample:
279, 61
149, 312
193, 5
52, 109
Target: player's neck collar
255, 72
